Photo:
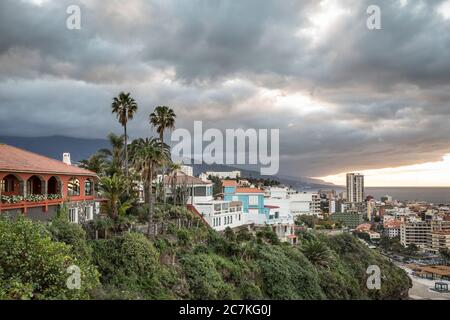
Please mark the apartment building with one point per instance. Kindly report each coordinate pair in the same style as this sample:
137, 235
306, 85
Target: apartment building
431, 234
415, 232
440, 240
355, 188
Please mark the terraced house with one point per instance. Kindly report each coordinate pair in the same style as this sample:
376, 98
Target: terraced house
36, 186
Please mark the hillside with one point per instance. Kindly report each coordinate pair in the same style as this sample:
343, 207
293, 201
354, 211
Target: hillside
187, 260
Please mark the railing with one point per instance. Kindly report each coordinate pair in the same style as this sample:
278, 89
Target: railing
39, 202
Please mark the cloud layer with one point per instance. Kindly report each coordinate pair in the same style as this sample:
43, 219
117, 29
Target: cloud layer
344, 97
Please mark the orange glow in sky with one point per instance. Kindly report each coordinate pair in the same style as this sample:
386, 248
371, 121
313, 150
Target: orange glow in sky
431, 174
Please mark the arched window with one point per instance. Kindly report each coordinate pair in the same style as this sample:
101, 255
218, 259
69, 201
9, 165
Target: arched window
73, 187
88, 188
9, 184
54, 186
35, 185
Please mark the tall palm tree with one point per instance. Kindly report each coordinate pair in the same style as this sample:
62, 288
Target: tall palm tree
162, 118
115, 154
148, 155
124, 107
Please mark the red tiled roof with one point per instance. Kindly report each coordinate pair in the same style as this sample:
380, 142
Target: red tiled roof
271, 207
363, 227
392, 224
229, 183
13, 159
249, 190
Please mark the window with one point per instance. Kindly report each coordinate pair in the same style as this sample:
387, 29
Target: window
73, 215
73, 187
7, 184
253, 200
199, 191
89, 213
88, 188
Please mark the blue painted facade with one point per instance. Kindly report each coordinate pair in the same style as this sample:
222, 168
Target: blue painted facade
231, 195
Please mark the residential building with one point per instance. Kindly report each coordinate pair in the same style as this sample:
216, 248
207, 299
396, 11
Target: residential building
188, 188
415, 232
374, 236
440, 240
371, 210
305, 203
222, 214
197, 194
392, 228
431, 234
36, 186
225, 174
258, 212
355, 188
332, 206
348, 218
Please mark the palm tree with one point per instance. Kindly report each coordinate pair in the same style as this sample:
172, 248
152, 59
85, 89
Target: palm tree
112, 189
163, 118
317, 253
124, 107
96, 163
148, 155
115, 154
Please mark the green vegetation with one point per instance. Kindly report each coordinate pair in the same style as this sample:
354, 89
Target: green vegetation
33, 266
187, 261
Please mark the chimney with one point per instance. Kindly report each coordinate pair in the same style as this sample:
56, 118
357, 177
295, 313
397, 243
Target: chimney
66, 158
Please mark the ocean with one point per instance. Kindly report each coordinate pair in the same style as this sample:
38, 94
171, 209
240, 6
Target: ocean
436, 195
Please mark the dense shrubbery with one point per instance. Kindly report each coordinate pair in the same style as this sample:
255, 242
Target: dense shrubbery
187, 263
33, 266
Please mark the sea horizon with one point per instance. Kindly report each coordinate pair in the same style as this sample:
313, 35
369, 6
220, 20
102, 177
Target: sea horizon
435, 195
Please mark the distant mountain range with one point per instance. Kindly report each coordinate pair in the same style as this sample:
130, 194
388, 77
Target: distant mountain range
55, 146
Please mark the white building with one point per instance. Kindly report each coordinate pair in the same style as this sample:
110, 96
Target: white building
355, 187
392, 228
188, 170
305, 203
332, 206
222, 214
224, 175
199, 198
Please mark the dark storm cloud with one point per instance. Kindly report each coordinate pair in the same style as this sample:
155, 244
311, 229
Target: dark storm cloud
368, 99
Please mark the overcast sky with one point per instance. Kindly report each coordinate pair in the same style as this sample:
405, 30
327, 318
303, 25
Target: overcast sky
344, 97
